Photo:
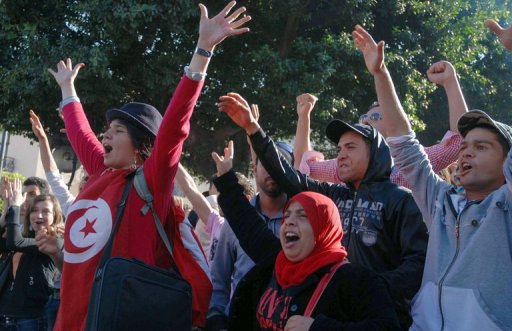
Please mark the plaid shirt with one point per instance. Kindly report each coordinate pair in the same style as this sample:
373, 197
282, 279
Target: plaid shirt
440, 155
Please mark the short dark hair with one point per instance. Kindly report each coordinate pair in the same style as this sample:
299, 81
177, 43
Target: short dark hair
142, 141
43, 185
375, 104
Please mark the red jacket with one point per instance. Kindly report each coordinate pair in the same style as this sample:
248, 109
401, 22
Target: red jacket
90, 217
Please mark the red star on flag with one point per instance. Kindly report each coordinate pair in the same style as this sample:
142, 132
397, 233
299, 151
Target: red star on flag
88, 228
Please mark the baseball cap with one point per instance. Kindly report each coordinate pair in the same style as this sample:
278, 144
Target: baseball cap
475, 118
336, 128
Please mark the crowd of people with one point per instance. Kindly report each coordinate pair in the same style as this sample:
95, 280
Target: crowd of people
389, 235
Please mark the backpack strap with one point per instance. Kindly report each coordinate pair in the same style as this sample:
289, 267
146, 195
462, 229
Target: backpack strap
320, 288
143, 191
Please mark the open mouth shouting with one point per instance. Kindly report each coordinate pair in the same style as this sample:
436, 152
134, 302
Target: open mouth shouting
290, 238
107, 148
464, 168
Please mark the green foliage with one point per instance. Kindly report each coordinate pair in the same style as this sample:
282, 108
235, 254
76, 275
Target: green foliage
136, 51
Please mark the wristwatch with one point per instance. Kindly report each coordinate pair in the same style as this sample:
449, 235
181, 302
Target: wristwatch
203, 52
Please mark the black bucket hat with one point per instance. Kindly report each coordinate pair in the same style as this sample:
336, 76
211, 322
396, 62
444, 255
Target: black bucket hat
141, 115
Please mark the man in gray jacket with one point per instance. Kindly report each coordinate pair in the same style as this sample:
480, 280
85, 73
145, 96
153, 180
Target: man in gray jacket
467, 277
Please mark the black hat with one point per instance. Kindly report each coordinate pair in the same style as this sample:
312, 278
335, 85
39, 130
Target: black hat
141, 115
475, 118
336, 128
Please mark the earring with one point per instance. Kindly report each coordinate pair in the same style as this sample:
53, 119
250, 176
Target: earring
134, 164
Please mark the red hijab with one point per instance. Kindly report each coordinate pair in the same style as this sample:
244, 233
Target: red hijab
325, 221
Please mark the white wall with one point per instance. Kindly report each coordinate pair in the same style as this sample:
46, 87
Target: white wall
27, 160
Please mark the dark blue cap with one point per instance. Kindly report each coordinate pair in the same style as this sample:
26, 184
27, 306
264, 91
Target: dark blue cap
336, 128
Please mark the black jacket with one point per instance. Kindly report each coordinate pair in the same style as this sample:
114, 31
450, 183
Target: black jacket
26, 295
355, 299
383, 227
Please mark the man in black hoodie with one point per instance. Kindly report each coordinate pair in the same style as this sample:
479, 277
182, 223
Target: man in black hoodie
382, 224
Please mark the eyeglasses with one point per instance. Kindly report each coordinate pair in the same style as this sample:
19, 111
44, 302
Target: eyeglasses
374, 117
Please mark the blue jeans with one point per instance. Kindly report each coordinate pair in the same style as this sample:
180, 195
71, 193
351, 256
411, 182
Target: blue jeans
23, 324
51, 311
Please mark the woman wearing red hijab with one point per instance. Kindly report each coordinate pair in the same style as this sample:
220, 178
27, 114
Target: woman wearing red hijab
275, 294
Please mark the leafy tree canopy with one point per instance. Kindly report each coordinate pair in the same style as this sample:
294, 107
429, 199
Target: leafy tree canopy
136, 51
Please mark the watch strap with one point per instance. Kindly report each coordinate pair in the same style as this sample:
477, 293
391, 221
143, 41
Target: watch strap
203, 52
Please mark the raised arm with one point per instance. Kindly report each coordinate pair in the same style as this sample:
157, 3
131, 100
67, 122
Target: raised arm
212, 31
83, 140
53, 176
393, 116
504, 34
239, 111
175, 125
255, 238
44, 146
290, 180
15, 241
443, 73
199, 203
305, 104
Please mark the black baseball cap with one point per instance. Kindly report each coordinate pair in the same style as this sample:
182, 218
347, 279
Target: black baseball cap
336, 128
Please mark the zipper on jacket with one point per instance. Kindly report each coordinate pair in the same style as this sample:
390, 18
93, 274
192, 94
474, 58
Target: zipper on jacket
350, 220
457, 248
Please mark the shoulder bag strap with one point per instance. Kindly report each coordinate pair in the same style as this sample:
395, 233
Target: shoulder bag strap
321, 288
143, 190
119, 213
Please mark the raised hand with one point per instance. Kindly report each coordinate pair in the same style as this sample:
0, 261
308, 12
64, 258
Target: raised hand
305, 104
37, 127
239, 111
15, 193
441, 73
212, 31
224, 163
504, 34
66, 73
46, 241
373, 53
